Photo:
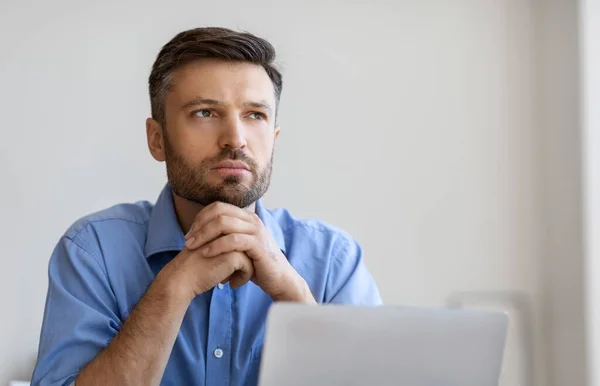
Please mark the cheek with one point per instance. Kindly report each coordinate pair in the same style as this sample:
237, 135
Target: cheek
196, 145
199, 148
262, 148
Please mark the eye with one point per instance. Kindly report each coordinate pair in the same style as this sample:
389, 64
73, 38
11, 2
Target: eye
202, 113
259, 116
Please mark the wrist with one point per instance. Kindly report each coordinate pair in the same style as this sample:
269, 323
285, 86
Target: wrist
296, 290
171, 287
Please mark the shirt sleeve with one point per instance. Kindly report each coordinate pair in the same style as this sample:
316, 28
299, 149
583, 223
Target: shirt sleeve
80, 318
349, 281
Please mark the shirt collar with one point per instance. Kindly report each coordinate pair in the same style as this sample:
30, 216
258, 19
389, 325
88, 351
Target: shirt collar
164, 231
165, 234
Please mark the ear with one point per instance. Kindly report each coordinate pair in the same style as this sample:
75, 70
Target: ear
277, 130
156, 141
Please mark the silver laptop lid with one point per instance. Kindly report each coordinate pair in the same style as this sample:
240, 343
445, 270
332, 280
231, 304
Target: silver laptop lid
342, 345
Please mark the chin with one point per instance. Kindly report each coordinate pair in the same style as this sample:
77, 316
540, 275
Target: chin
239, 200
234, 181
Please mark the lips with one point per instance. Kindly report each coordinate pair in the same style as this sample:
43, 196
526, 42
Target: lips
239, 165
232, 168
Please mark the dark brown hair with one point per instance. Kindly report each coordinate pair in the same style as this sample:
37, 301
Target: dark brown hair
212, 43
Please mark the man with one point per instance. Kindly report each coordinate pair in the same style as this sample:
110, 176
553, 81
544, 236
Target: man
177, 293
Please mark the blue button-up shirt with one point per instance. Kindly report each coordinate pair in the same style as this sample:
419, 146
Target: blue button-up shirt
105, 262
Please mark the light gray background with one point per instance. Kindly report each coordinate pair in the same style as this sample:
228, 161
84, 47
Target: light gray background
443, 135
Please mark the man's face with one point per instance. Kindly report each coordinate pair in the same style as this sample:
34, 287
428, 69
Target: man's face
220, 132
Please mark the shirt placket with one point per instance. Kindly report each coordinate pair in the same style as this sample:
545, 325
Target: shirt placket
218, 364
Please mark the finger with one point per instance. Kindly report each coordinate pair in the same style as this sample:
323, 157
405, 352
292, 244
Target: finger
243, 275
228, 243
228, 279
215, 209
238, 279
221, 225
227, 264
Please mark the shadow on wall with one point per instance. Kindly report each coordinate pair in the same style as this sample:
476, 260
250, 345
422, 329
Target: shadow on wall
519, 354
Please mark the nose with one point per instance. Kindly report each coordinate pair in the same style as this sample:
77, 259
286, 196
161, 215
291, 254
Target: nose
232, 134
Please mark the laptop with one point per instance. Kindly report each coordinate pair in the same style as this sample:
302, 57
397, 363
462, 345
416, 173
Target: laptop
381, 346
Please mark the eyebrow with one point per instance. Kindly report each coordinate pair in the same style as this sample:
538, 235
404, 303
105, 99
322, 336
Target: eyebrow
202, 101
212, 102
259, 105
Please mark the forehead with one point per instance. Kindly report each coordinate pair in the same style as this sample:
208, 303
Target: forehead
230, 82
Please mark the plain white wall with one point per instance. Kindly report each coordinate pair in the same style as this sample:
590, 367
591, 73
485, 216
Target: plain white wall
411, 124
562, 264
590, 96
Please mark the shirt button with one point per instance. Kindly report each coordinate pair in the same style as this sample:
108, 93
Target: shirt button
218, 353
220, 286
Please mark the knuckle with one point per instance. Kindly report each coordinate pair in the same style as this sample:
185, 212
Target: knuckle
236, 239
199, 215
231, 256
250, 267
221, 219
235, 259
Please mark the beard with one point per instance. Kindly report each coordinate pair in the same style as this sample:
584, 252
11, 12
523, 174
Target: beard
190, 181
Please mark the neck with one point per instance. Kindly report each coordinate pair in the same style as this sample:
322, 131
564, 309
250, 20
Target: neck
187, 211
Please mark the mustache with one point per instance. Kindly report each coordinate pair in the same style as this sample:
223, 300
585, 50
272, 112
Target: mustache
228, 153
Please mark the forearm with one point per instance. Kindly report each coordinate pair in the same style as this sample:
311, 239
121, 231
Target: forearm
139, 353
